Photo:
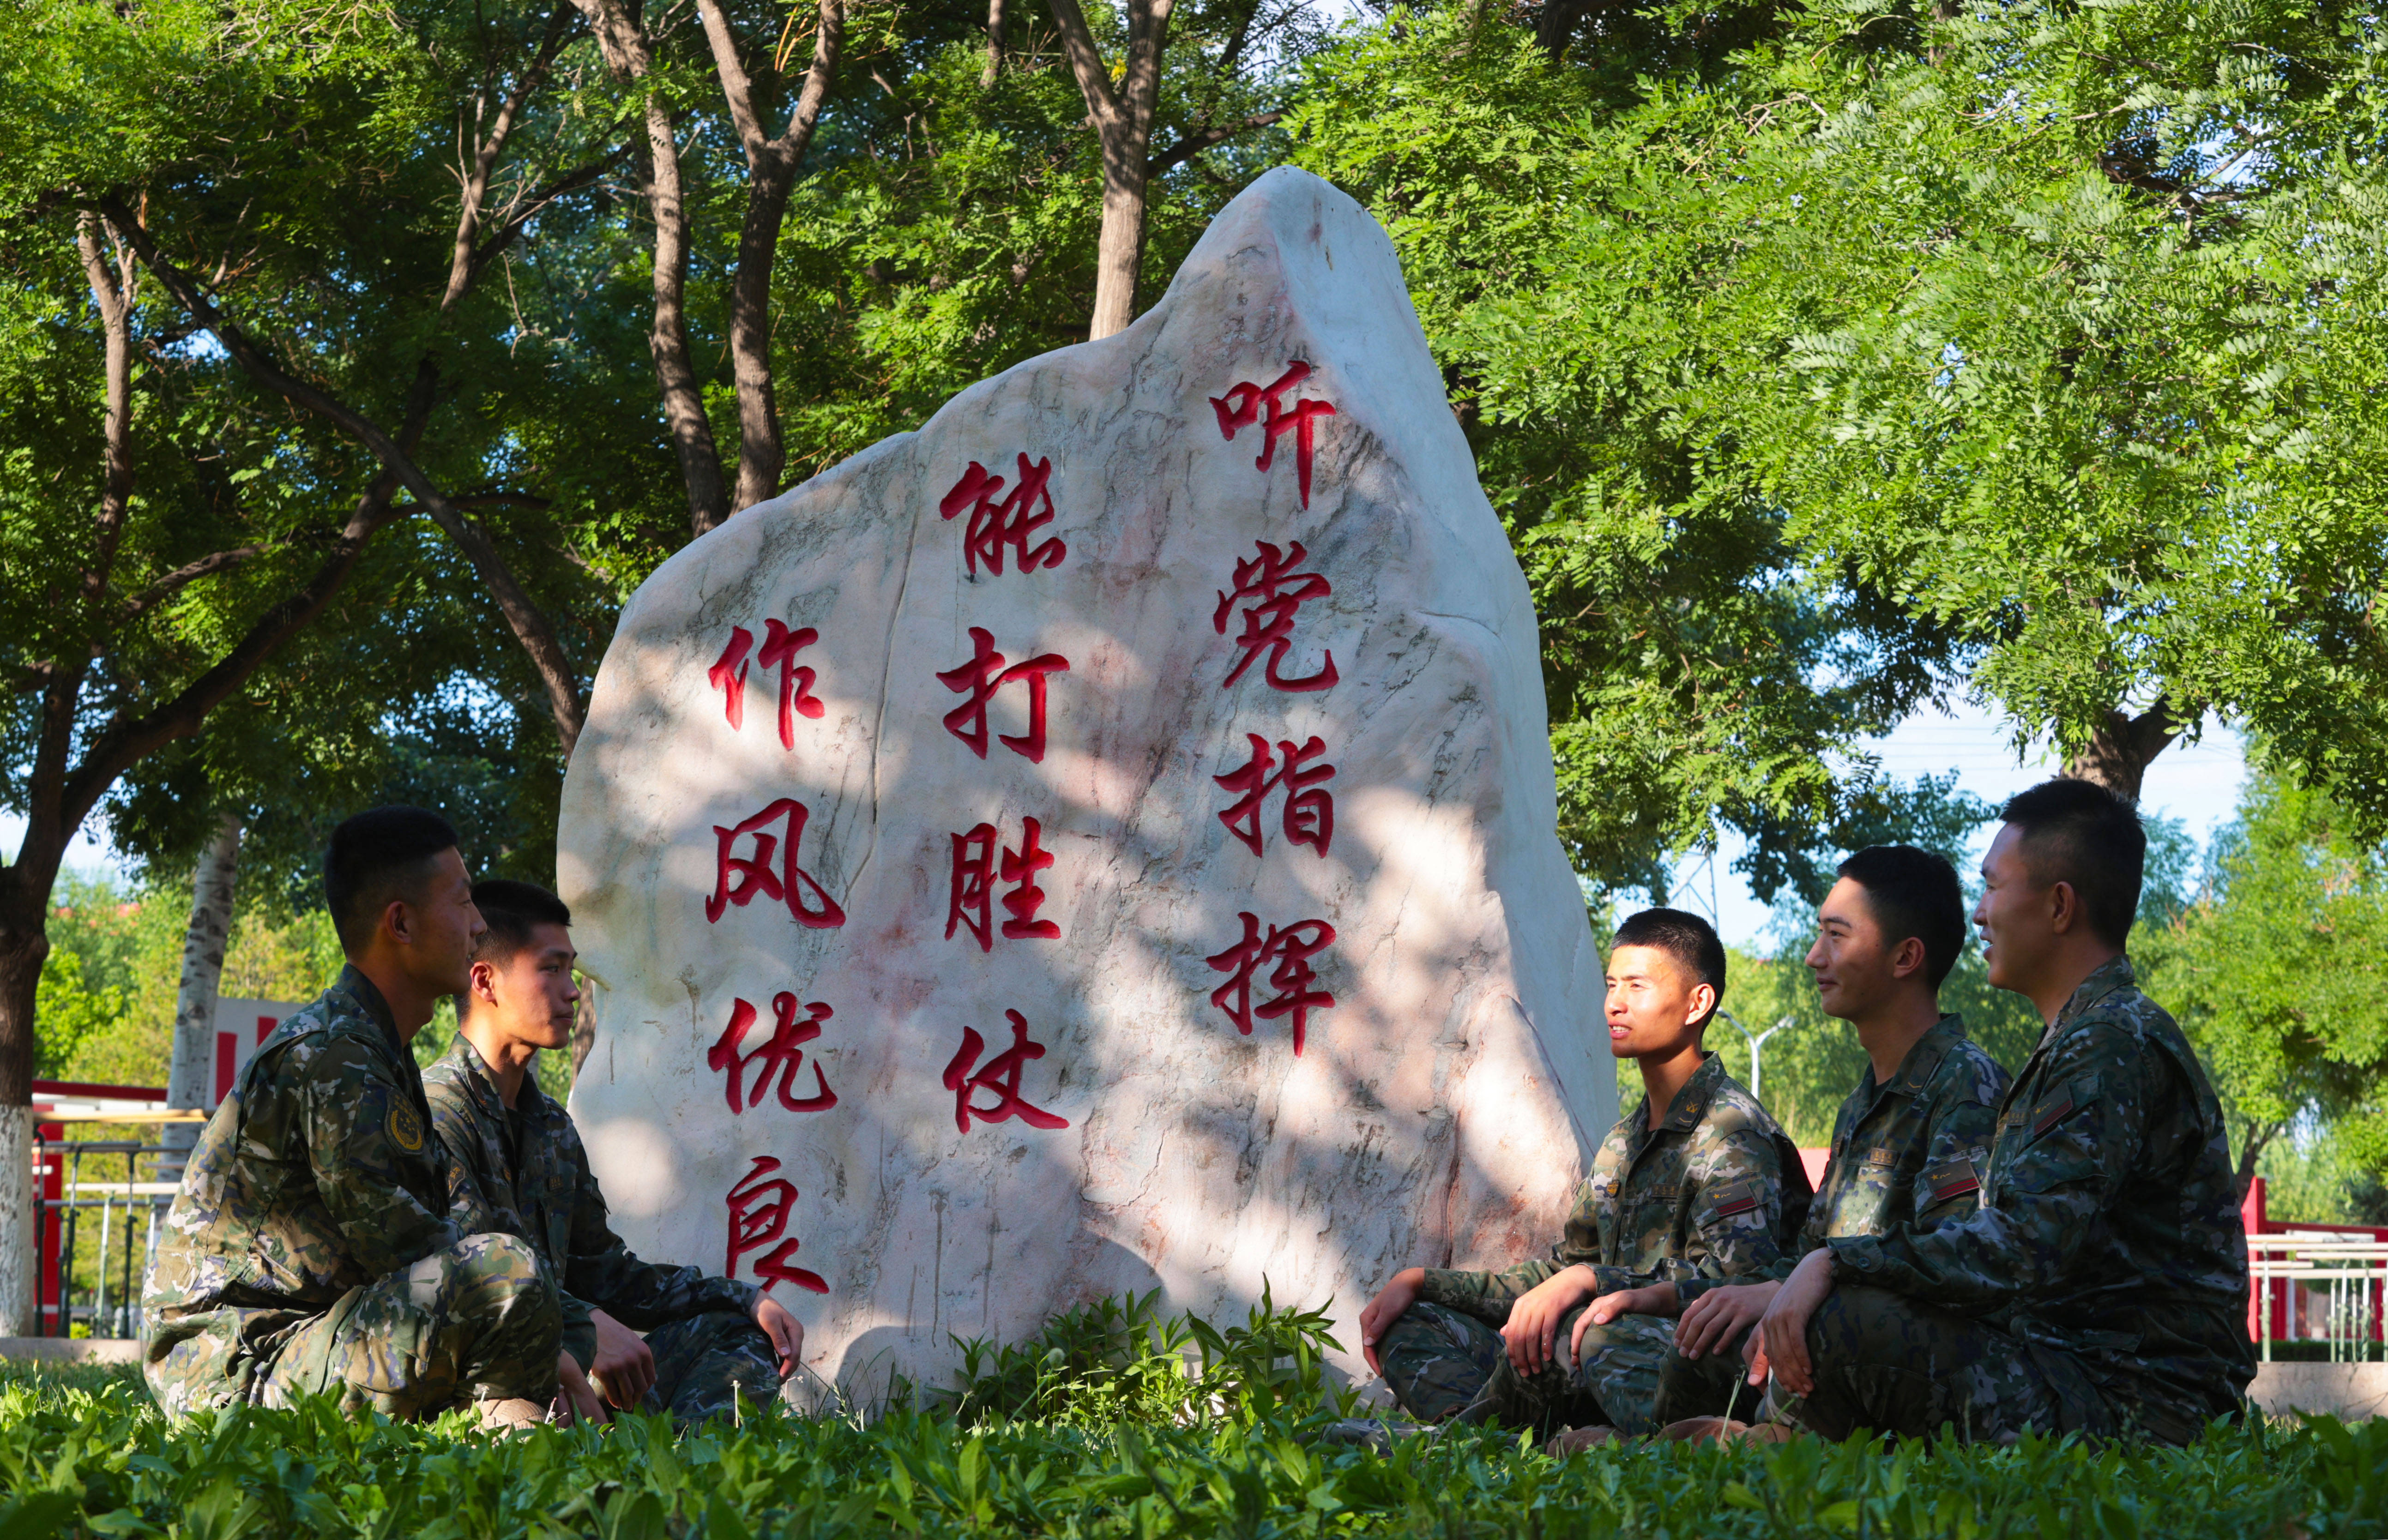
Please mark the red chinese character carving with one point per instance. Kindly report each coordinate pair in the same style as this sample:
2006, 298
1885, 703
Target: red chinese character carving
975, 872
994, 526
1021, 866
738, 880
1001, 1077
780, 648
1245, 403
1293, 978
759, 1215
980, 677
729, 676
782, 1057
1269, 577
972, 892
1309, 812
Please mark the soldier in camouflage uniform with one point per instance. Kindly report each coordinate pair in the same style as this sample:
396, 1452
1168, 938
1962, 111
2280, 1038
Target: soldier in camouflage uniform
2102, 1285
1713, 1189
1908, 1150
518, 1167
311, 1248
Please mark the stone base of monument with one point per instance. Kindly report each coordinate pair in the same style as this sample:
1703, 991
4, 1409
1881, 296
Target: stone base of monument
2348, 1391
1101, 842
69, 1350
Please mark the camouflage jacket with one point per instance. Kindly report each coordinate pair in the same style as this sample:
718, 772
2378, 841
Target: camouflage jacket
1908, 1153
523, 1172
1716, 1190
2109, 1224
316, 1176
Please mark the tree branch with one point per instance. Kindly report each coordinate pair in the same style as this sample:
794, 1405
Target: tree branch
1194, 142
463, 259
183, 576
529, 626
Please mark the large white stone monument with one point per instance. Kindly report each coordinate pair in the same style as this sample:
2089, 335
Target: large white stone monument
1102, 840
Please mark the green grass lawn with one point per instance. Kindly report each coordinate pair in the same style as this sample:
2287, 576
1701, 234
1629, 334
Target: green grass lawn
1113, 1423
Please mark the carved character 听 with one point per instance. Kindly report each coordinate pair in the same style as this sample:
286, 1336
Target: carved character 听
1245, 403
782, 1056
1293, 978
759, 1215
739, 880
1269, 578
980, 677
1001, 1077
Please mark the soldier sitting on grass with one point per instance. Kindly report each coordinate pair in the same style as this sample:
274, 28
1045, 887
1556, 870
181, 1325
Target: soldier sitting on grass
2102, 1285
1910, 1140
311, 1248
1696, 1181
515, 1164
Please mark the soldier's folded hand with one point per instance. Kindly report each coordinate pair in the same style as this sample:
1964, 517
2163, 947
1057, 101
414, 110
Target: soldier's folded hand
1785, 1326
625, 1368
1717, 1320
576, 1401
1531, 1334
1391, 1302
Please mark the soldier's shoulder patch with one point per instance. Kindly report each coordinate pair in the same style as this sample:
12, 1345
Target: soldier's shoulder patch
1735, 1197
405, 1126
2063, 1103
1952, 1178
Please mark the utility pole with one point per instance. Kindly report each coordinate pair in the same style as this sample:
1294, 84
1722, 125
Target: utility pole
1757, 1042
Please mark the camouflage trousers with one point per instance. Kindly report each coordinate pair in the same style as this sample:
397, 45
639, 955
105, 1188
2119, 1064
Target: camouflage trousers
710, 1365
1714, 1385
477, 1321
1886, 1362
1440, 1362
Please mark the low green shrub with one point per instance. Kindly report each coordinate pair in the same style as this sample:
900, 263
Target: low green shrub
1116, 1422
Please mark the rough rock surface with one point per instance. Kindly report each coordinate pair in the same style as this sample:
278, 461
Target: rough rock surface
859, 1029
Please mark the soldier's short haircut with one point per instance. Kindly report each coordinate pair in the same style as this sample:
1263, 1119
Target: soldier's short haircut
512, 910
381, 854
2078, 832
1689, 940
1913, 892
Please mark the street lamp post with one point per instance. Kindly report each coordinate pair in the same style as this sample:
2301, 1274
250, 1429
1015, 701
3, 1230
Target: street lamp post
1757, 1042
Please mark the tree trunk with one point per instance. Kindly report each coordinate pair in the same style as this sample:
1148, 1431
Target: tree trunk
2253, 1150
1123, 125
2121, 749
994, 45
771, 167
628, 56
24, 946
189, 1077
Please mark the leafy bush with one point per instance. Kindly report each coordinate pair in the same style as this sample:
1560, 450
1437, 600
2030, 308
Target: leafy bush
1115, 1422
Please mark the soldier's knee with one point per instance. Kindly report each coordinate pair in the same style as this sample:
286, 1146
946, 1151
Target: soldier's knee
499, 1272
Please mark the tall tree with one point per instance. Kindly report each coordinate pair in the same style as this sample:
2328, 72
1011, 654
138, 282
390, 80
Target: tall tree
192, 1067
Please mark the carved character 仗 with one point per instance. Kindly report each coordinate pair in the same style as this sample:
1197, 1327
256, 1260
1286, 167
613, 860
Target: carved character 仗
738, 880
1244, 404
758, 1216
1309, 817
1270, 578
782, 1055
994, 526
980, 677
1001, 1077
1290, 948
